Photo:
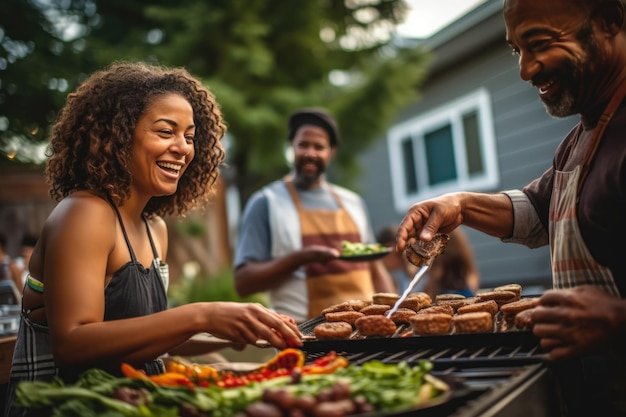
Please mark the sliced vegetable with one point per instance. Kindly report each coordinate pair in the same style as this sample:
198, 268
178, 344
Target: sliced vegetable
326, 364
166, 379
196, 372
289, 358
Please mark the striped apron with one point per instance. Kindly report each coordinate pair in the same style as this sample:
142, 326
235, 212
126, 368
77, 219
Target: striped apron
592, 384
335, 281
572, 263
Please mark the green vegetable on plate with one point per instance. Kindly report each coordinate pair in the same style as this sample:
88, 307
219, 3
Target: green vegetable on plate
359, 248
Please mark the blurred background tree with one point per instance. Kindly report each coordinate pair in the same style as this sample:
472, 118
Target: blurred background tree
262, 59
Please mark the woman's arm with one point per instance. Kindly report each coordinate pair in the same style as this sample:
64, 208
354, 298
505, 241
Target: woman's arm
80, 248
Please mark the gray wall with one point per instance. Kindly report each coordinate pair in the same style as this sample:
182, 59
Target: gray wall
526, 139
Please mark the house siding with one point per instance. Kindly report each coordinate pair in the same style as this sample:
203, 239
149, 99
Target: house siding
526, 138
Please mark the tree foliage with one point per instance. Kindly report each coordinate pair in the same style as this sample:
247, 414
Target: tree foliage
262, 59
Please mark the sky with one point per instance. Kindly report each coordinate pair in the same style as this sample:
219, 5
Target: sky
428, 16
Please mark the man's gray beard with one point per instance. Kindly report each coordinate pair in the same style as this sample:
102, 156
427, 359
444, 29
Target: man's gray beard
579, 71
563, 108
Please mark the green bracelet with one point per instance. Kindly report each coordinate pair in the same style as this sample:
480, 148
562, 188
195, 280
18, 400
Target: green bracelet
34, 284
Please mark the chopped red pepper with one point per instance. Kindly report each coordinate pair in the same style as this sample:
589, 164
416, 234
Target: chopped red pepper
289, 358
326, 364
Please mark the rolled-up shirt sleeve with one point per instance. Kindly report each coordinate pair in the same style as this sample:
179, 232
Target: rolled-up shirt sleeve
527, 227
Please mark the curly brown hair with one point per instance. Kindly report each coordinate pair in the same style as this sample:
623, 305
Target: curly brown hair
91, 141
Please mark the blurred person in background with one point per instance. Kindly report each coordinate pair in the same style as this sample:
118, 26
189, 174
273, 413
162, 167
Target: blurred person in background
19, 267
5, 259
292, 229
453, 272
133, 143
574, 54
11, 291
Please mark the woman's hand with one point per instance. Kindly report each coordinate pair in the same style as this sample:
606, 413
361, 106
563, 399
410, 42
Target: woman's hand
251, 322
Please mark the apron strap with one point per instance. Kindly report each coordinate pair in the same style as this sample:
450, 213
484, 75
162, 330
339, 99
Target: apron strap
606, 117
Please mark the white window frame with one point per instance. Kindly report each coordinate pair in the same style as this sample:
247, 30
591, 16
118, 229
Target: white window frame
449, 114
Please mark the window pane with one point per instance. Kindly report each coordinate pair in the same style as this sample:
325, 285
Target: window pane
408, 163
472, 143
440, 155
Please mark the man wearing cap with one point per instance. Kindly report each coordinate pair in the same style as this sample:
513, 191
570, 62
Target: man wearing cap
292, 229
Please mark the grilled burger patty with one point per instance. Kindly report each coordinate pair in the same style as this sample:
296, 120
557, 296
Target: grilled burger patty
332, 330
421, 253
375, 325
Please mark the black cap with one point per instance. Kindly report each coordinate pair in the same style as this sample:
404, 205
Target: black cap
313, 116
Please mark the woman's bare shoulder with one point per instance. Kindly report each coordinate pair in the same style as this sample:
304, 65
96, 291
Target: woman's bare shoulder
159, 228
157, 223
81, 209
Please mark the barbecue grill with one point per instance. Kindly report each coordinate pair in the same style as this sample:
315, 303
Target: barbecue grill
491, 374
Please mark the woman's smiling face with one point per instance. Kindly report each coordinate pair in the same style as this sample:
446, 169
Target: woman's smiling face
558, 52
163, 145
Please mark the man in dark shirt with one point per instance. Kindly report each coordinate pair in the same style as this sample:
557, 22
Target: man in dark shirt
574, 53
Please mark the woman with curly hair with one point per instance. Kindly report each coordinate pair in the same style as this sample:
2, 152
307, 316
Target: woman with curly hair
133, 143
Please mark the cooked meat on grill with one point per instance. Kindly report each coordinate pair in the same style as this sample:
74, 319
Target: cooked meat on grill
519, 305
445, 309
375, 325
431, 324
421, 253
375, 309
524, 319
347, 316
448, 297
358, 304
510, 310
425, 300
412, 303
455, 304
477, 322
515, 288
387, 298
402, 315
500, 297
470, 300
416, 301
490, 306
334, 330
345, 306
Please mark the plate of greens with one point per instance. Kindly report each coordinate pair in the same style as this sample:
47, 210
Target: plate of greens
359, 252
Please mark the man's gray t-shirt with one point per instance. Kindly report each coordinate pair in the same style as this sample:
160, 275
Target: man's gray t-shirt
255, 239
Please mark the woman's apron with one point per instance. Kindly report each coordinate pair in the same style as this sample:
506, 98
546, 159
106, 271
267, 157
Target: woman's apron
588, 383
335, 281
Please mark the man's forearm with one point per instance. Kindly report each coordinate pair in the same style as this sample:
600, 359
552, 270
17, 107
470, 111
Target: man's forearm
490, 213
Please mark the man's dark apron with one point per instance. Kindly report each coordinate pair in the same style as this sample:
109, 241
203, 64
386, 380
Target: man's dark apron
335, 281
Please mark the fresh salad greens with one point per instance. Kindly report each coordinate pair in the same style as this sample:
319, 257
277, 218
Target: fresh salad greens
389, 387
359, 248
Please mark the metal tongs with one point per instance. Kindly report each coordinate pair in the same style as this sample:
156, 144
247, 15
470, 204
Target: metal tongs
416, 278
425, 261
